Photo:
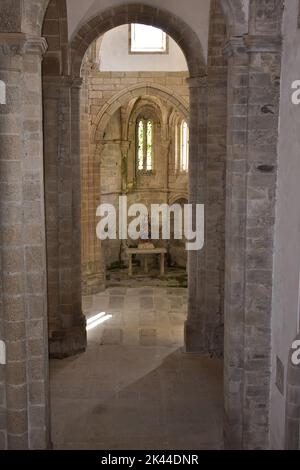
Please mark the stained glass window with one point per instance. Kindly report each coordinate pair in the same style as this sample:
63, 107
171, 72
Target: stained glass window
145, 145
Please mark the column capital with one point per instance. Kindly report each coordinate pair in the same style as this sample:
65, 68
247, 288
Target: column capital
197, 82
12, 44
125, 146
257, 44
35, 45
235, 46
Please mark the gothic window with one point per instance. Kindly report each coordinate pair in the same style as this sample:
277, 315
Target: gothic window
147, 40
182, 147
145, 144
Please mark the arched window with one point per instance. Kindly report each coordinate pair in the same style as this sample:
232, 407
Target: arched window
145, 141
184, 147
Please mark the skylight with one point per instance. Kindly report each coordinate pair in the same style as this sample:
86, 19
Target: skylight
147, 39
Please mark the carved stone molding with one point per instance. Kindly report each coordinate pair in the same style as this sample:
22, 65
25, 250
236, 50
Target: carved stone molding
12, 44
35, 45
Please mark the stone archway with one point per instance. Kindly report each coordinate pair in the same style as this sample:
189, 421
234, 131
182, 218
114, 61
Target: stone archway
198, 91
182, 34
27, 422
192, 49
247, 348
92, 260
133, 91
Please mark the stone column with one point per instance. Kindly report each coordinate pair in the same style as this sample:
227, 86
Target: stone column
52, 87
94, 275
195, 333
77, 316
263, 114
215, 181
253, 108
23, 316
263, 45
63, 199
237, 126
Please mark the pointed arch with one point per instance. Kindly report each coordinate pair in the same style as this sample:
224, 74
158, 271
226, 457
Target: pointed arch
135, 91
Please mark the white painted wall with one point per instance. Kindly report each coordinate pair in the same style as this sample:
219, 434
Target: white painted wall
287, 241
115, 56
194, 12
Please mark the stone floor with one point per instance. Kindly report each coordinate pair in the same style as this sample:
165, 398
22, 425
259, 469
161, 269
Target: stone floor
134, 388
174, 277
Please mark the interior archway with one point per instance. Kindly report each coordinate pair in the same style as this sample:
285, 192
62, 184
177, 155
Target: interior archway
182, 34
197, 118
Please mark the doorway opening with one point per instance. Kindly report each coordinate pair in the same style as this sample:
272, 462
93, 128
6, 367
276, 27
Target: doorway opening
138, 135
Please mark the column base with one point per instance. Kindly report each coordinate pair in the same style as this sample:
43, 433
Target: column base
66, 343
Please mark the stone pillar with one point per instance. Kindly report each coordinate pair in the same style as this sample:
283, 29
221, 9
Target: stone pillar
94, 270
52, 87
253, 110
63, 198
23, 316
195, 334
215, 181
238, 79
263, 114
77, 316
